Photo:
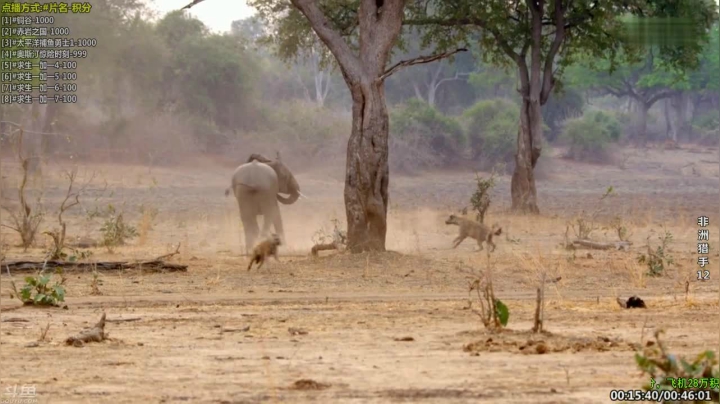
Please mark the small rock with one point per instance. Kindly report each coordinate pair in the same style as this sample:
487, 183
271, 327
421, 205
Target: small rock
297, 331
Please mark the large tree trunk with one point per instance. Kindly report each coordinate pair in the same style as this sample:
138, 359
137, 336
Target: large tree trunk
641, 123
670, 121
679, 105
367, 171
522, 187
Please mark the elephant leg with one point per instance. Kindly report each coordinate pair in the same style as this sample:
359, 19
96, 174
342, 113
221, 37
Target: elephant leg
274, 214
251, 230
248, 215
267, 221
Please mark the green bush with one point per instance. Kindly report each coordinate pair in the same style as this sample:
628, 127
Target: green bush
669, 371
443, 134
590, 135
560, 107
492, 127
38, 291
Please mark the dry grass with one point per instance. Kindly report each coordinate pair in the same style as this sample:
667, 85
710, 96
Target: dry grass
356, 307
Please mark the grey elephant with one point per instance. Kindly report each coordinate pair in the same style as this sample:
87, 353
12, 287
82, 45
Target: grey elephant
257, 186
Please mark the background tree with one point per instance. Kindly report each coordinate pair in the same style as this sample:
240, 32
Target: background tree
425, 81
360, 36
645, 83
540, 38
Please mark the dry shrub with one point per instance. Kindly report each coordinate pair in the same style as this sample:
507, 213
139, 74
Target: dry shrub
146, 223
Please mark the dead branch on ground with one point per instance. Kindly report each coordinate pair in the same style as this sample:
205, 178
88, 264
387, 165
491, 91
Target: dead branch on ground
150, 266
95, 334
325, 242
165, 256
594, 245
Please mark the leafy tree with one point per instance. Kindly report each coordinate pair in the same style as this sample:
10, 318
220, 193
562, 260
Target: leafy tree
360, 35
492, 82
540, 38
568, 104
703, 93
250, 30
645, 82
178, 26
207, 76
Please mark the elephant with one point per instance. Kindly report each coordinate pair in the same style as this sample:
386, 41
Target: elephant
257, 186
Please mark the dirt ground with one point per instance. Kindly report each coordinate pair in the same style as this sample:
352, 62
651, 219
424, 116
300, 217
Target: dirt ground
371, 328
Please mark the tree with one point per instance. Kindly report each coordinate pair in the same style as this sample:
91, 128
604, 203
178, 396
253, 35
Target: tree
424, 81
645, 83
360, 35
702, 96
539, 38
320, 72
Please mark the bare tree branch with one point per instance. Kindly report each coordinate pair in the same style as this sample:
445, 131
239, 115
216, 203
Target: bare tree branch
417, 61
348, 61
457, 76
659, 96
615, 92
193, 4
548, 77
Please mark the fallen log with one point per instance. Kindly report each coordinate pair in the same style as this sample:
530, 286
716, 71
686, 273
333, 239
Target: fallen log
151, 266
594, 245
154, 265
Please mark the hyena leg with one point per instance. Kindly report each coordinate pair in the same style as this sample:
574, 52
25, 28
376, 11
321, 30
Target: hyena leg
252, 261
490, 243
458, 240
261, 261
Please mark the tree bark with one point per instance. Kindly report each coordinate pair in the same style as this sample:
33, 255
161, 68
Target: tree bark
670, 122
522, 186
679, 108
367, 170
536, 84
641, 123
